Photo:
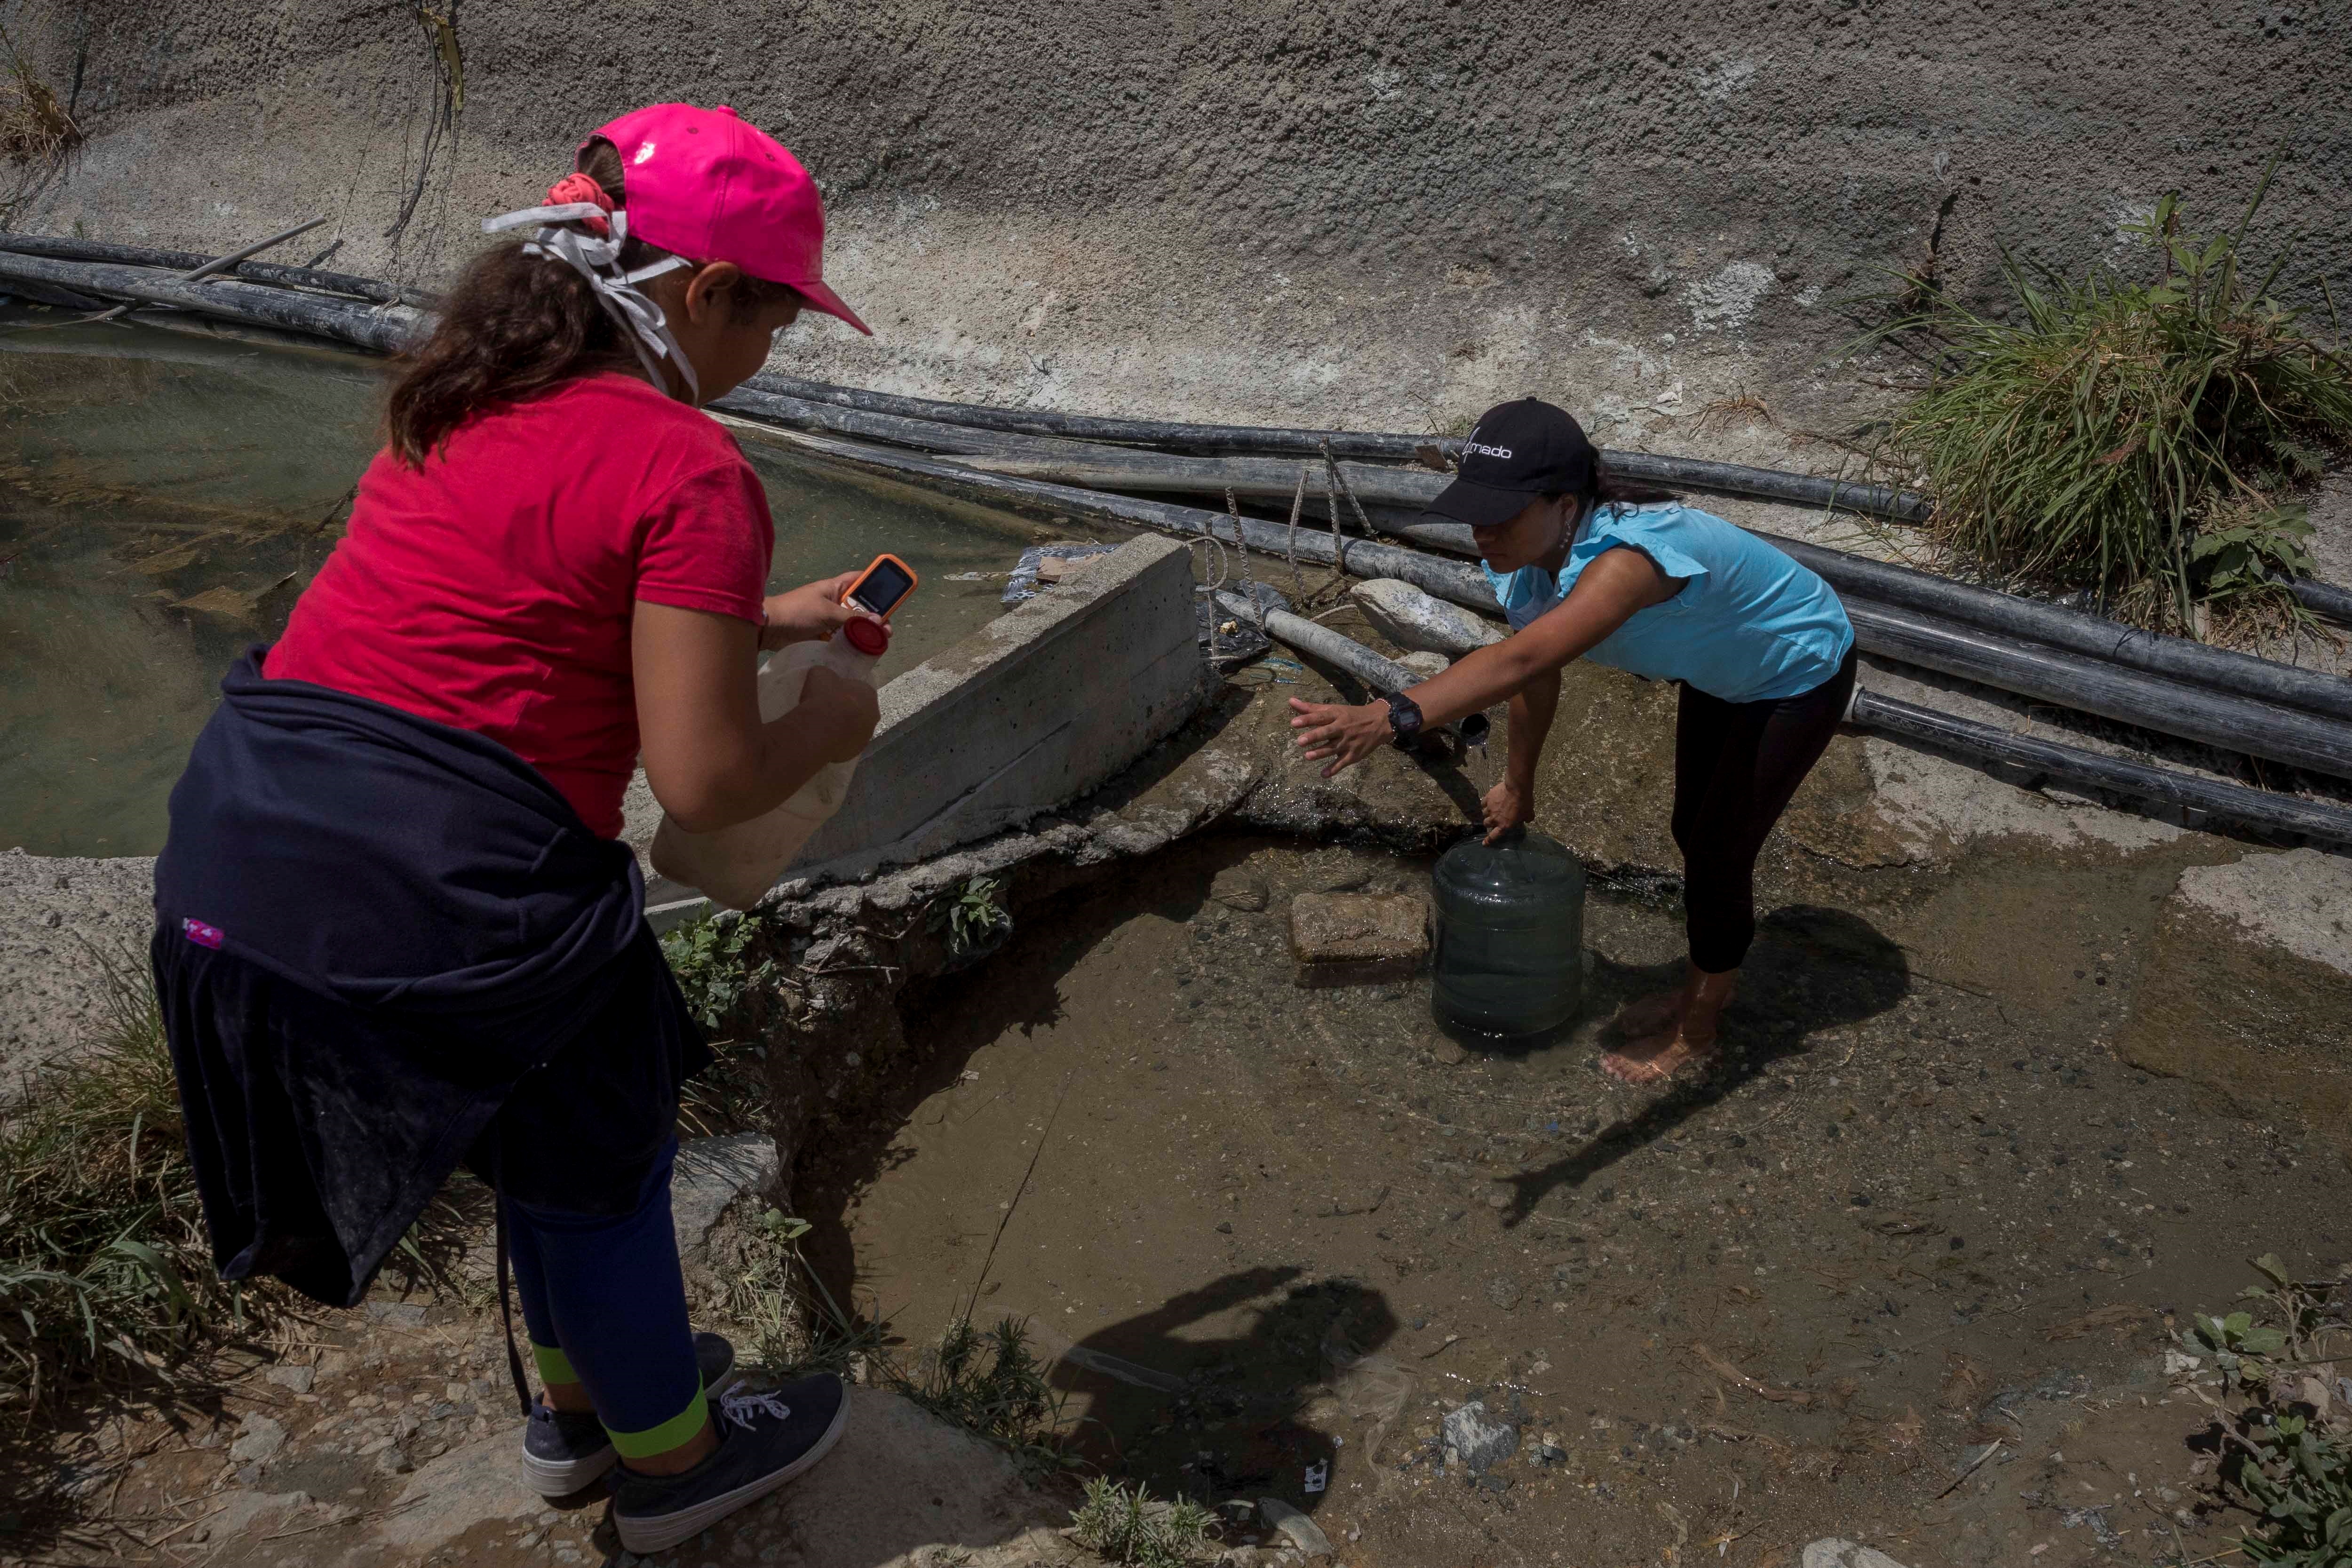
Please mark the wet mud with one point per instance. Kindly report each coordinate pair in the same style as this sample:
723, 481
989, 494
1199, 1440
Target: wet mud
1906, 1216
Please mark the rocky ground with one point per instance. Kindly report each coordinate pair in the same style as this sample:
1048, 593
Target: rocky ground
2015, 1084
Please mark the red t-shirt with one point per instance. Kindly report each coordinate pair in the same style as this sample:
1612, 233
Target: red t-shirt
492, 589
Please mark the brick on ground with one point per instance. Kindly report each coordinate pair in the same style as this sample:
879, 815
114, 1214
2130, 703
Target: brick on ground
1358, 938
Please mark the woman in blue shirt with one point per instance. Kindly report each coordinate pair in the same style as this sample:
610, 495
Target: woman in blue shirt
1586, 566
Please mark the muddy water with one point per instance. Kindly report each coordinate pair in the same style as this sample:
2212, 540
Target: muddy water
1783, 1301
165, 497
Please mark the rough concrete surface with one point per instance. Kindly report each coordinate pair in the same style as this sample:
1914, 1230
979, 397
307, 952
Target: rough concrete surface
1384, 212
64, 924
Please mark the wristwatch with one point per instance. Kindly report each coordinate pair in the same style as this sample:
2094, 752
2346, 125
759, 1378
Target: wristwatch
1404, 720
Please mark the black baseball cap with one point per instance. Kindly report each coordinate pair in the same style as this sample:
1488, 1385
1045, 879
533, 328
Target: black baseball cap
1514, 453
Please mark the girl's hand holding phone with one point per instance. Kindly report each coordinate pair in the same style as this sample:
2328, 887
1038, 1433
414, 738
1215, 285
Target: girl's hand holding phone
811, 613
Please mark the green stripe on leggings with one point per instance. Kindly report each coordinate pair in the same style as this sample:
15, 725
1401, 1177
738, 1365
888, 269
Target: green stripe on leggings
678, 1429
554, 1366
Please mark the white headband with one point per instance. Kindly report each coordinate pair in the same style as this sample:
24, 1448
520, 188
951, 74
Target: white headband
599, 262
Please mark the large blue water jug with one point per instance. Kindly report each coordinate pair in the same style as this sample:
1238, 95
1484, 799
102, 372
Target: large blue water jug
1510, 938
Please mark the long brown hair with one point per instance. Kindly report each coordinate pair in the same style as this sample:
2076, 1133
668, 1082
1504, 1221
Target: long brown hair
517, 326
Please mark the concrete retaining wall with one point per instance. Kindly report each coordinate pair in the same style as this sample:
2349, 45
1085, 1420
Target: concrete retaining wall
1035, 709
1382, 214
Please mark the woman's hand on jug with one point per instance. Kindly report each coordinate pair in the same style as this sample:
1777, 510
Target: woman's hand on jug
811, 613
1507, 805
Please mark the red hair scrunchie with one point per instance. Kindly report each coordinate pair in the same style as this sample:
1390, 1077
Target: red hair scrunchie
581, 188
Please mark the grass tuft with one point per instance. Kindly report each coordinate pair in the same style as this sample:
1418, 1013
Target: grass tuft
34, 125
2289, 1443
2132, 438
105, 1272
1128, 1527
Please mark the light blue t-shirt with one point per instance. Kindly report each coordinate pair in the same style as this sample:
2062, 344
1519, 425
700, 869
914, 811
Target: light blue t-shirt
1750, 624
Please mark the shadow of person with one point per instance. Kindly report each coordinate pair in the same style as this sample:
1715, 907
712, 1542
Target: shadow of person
1812, 969
1217, 1416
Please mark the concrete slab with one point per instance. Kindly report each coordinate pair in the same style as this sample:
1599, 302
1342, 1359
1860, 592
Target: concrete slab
1042, 704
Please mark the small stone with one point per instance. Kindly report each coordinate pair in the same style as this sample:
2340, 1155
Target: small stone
1497, 1195
1224, 1228
297, 1378
1504, 1293
1476, 1440
393, 1462
1239, 889
1358, 938
1428, 666
1831, 1552
258, 1439
401, 1314
1450, 1052
1301, 1531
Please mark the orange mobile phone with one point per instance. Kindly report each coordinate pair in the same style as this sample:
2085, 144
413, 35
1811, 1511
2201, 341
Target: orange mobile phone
882, 587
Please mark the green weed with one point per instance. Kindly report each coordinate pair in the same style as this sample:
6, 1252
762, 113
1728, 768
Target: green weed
2130, 437
2290, 1454
1129, 1527
105, 1272
723, 967
971, 915
992, 1385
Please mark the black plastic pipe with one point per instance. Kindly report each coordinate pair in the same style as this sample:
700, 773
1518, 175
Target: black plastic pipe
385, 328
2324, 599
68, 249
1454, 581
1690, 473
2151, 702
1879, 583
2265, 812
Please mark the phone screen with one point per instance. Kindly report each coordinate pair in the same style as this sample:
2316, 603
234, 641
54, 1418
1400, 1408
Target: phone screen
882, 588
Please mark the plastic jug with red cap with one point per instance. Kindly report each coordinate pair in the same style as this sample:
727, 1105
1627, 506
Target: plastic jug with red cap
736, 865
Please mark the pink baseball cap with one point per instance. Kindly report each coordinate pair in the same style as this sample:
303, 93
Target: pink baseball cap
702, 184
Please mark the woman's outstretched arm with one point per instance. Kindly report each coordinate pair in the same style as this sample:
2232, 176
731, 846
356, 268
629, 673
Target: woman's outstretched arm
1618, 585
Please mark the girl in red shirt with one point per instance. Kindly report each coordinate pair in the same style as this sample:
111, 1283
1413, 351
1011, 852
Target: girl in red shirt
395, 930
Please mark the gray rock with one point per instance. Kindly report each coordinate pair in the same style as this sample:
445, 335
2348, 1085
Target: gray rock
393, 1462
1300, 1531
1478, 1440
297, 1378
1504, 1292
400, 1314
1414, 619
1425, 665
710, 1174
1239, 889
258, 1439
1831, 1552
1358, 938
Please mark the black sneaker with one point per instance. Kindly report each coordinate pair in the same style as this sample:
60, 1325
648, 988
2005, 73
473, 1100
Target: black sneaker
564, 1450
764, 1440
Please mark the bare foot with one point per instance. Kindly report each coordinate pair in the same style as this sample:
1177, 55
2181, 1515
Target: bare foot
1650, 1016
1659, 1057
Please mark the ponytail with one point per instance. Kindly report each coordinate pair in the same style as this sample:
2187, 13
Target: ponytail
519, 323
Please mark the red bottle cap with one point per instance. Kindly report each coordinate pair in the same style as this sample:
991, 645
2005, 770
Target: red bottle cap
868, 635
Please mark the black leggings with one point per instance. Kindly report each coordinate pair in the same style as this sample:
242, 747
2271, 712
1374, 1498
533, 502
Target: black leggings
1736, 766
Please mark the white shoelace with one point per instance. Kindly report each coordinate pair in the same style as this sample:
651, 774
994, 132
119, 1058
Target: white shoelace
598, 260
741, 1408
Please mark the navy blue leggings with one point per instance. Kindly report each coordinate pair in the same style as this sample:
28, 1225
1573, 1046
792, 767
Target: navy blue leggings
1736, 766
604, 1300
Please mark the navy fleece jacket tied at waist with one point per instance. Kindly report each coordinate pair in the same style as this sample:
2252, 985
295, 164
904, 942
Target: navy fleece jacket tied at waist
369, 926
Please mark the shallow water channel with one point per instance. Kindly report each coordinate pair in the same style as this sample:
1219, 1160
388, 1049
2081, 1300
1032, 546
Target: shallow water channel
1213, 1194
164, 497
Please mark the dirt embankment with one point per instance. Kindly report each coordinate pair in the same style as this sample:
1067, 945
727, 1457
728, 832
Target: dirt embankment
1382, 213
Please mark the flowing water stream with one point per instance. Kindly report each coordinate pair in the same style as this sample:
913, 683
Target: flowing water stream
166, 496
